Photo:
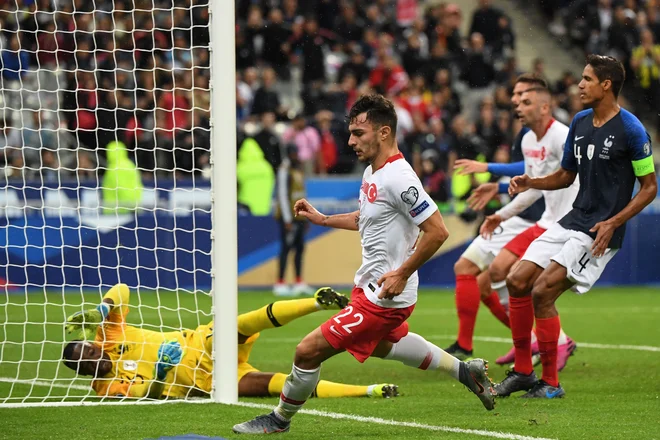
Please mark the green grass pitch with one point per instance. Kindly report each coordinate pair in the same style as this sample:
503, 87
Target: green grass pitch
613, 392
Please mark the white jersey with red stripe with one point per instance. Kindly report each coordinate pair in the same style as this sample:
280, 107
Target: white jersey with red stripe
393, 204
543, 157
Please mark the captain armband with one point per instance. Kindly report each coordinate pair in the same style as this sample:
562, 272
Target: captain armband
644, 166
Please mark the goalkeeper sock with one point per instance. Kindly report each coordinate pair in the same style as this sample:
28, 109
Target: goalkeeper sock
415, 351
299, 385
324, 389
276, 314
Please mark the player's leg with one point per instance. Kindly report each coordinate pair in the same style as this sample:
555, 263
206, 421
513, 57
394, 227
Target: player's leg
467, 297
298, 386
498, 271
547, 288
521, 314
415, 351
281, 288
280, 313
259, 384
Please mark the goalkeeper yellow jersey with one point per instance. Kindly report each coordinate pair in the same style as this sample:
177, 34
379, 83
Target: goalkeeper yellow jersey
134, 354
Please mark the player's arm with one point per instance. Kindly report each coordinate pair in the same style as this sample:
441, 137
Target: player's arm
435, 233
347, 221
518, 205
560, 179
114, 305
467, 166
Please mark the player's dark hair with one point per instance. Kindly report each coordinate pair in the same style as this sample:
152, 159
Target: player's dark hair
534, 80
380, 111
68, 355
608, 68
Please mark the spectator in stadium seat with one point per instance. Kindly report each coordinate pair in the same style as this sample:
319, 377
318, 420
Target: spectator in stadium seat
14, 64
349, 26
307, 140
275, 36
355, 65
645, 62
269, 141
485, 21
266, 99
245, 56
434, 179
328, 152
478, 73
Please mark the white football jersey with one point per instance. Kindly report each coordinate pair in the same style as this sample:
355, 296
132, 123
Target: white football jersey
392, 205
543, 157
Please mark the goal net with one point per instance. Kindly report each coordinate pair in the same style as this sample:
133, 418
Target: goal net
106, 178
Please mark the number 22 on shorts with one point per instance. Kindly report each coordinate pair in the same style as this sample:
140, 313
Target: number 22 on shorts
342, 319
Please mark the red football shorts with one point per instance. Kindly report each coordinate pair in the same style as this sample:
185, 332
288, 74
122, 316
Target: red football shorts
519, 244
361, 325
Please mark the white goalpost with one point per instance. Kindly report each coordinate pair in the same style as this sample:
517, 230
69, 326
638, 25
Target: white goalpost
117, 165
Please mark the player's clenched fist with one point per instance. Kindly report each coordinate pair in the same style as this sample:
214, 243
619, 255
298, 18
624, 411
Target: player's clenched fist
519, 184
305, 209
169, 355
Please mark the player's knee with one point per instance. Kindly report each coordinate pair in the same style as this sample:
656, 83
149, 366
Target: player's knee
517, 284
465, 267
497, 273
542, 295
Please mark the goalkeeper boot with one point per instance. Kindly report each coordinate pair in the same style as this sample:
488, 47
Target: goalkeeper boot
514, 382
543, 390
384, 390
459, 352
328, 298
474, 375
265, 424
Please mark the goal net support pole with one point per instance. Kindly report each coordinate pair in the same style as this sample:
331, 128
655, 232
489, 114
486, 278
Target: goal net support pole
224, 230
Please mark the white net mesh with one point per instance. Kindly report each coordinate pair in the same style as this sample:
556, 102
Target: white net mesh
104, 168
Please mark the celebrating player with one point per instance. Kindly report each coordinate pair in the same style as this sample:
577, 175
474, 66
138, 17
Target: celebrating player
393, 209
482, 269
133, 362
608, 148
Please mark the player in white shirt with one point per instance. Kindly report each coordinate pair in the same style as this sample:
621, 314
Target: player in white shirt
543, 149
393, 209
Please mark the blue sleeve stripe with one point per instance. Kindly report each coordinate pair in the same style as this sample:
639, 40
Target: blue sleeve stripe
503, 188
507, 169
639, 141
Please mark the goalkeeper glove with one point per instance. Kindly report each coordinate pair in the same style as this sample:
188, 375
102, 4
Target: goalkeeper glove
169, 354
87, 321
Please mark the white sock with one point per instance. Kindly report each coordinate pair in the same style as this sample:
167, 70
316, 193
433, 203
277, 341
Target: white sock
415, 351
502, 292
533, 337
298, 387
563, 339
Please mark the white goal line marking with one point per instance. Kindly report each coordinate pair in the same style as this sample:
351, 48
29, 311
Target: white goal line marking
508, 341
42, 383
380, 421
311, 412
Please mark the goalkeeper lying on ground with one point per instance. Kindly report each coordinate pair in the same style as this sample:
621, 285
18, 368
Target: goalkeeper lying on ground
132, 362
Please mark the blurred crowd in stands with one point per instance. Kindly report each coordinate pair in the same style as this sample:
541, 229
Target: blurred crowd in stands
626, 29
78, 75
451, 91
